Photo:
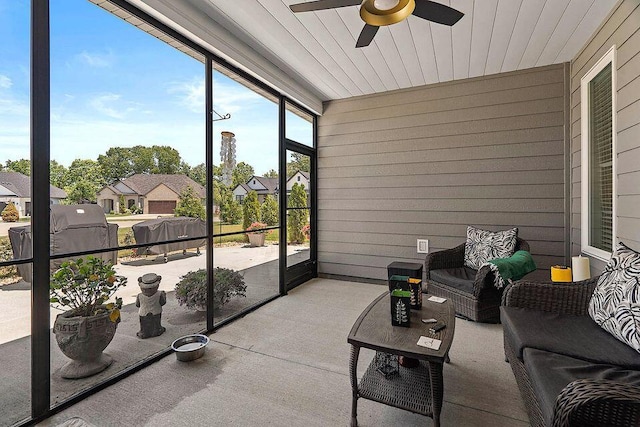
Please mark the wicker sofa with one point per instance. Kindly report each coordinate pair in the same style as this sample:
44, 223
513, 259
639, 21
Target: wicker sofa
472, 291
570, 372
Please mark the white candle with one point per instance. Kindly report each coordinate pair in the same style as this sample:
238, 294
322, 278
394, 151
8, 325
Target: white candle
580, 268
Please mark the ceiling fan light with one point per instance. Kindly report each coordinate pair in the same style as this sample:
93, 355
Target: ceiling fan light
385, 4
381, 16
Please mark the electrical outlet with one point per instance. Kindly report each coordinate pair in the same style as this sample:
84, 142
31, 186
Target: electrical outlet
423, 246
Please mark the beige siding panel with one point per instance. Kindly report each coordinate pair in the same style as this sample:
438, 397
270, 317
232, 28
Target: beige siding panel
621, 28
545, 148
524, 94
455, 205
629, 116
489, 84
461, 192
481, 141
628, 72
629, 183
354, 228
469, 129
434, 180
526, 108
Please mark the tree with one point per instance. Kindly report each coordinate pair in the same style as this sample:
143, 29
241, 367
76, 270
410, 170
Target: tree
198, 173
298, 162
189, 204
230, 210
116, 164
271, 174
10, 213
81, 191
84, 180
58, 174
166, 159
142, 160
250, 209
241, 174
22, 166
297, 217
269, 210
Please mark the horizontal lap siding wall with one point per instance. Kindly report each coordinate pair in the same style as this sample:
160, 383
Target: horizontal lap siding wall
426, 162
622, 28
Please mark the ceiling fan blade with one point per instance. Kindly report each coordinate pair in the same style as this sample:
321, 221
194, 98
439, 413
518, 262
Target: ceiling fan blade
437, 12
323, 4
366, 35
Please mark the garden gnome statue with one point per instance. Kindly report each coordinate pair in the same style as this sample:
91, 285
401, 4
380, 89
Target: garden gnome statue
150, 303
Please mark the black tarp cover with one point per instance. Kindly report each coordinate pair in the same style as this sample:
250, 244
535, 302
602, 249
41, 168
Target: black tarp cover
73, 228
170, 228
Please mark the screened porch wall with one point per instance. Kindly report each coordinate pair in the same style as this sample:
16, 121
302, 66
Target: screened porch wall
426, 162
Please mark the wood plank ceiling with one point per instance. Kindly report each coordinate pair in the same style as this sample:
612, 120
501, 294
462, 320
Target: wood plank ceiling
494, 36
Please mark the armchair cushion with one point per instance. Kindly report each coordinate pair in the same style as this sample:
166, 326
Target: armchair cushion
460, 278
550, 373
570, 335
615, 304
483, 245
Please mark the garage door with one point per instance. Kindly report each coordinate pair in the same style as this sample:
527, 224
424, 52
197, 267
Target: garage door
161, 206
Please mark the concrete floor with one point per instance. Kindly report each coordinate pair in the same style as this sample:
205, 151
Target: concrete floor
286, 364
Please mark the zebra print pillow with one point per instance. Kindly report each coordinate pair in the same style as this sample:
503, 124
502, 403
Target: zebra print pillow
483, 245
615, 304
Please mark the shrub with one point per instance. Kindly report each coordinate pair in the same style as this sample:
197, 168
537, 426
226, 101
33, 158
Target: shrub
191, 290
230, 210
189, 204
250, 209
297, 217
6, 254
269, 210
10, 213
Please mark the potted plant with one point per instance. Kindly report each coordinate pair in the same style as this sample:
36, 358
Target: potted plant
256, 233
191, 290
83, 287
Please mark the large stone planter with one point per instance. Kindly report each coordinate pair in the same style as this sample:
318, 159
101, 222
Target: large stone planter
83, 339
256, 239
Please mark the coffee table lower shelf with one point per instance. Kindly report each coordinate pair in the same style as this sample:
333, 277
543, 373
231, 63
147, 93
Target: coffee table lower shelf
410, 389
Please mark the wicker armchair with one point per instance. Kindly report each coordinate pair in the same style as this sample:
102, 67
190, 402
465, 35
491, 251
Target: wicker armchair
583, 402
480, 304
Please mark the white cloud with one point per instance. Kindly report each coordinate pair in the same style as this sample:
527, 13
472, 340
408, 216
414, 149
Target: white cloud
233, 98
95, 59
5, 82
190, 93
112, 105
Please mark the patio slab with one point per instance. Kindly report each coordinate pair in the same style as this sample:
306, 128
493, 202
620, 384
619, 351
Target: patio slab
287, 364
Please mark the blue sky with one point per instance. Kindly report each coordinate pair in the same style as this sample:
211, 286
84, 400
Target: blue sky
114, 85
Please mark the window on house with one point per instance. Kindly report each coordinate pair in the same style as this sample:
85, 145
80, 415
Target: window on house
598, 158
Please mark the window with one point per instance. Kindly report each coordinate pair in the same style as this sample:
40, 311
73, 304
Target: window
598, 157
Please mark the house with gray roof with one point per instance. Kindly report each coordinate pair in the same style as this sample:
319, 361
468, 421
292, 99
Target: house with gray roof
261, 185
150, 193
16, 188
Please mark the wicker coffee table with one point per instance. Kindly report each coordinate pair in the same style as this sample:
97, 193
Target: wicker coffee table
418, 389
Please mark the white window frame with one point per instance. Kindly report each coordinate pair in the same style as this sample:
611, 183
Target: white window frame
608, 58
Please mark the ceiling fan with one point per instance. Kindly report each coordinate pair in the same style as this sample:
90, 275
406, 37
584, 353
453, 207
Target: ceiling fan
377, 13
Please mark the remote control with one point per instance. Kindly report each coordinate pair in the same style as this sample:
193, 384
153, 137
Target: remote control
437, 327
429, 320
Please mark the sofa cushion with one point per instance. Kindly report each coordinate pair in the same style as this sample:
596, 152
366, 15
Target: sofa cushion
460, 278
483, 245
549, 373
615, 304
575, 336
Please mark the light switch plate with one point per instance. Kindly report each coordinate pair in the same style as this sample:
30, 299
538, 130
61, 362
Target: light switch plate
423, 246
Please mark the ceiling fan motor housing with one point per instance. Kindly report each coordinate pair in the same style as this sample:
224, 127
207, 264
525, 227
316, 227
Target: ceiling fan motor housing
371, 13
